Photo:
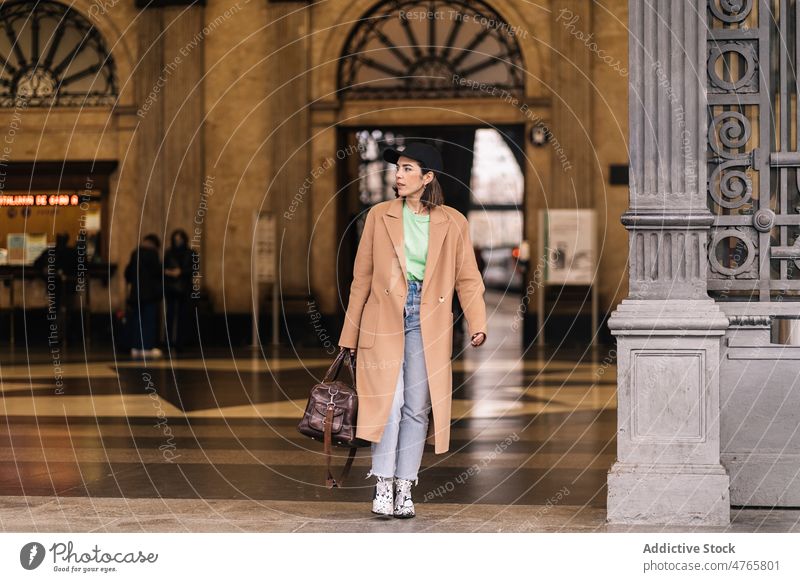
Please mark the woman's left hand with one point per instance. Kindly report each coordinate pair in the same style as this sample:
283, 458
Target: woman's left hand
478, 339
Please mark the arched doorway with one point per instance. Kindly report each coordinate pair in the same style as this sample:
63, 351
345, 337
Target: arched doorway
56, 57
399, 51
62, 72
402, 73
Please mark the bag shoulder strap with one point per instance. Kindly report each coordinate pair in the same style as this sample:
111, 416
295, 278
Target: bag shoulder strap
330, 482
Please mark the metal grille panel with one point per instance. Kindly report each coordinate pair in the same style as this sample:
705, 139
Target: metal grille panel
753, 154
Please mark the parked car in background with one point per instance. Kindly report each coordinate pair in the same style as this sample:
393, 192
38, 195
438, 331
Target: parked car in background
503, 270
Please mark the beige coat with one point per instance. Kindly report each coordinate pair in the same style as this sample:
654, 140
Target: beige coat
374, 319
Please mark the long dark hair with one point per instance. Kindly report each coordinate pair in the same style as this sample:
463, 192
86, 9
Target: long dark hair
179, 233
431, 196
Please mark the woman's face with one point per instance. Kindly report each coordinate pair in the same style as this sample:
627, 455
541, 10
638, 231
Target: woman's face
178, 240
409, 179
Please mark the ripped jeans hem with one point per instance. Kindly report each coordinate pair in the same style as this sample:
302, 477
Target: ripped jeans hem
371, 474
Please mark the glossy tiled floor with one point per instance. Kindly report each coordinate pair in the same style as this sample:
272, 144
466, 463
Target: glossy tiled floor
209, 443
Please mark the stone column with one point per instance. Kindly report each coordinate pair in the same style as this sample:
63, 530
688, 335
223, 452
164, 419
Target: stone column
170, 98
571, 185
668, 330
150, 132
183, 110
294, 175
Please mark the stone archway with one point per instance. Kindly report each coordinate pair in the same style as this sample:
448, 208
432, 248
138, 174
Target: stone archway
336, 107
83, 53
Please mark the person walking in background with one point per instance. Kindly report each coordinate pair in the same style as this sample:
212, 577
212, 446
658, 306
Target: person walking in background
58, 266
144, 274
178, 263
414, 254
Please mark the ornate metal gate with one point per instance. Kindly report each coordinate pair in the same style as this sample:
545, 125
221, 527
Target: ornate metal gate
754, 247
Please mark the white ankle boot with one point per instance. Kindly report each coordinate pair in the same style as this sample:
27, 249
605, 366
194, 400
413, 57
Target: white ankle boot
384, 496
403, 506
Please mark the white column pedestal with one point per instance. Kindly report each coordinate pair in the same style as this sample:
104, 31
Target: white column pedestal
668, 468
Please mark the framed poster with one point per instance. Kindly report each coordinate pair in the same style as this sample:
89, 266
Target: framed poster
264, 270
17, 243
568, 246
36, 245
264, 248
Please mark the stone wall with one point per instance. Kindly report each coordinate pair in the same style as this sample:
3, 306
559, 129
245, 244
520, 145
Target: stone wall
246, 111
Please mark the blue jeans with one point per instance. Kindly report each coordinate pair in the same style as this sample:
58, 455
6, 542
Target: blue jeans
144, 325
399, 452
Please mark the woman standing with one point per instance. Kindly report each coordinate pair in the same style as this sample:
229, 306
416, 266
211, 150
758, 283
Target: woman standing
415, 252
143, 273
179, 261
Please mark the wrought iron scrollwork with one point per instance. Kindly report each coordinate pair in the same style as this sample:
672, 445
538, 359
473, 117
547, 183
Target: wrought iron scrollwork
731, 188
746, 81
740, 256
53, 57
412, 49
731, 11
729, 184
753, 161
728, 131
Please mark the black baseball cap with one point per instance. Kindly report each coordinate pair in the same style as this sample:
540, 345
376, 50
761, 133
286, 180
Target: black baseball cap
427, 156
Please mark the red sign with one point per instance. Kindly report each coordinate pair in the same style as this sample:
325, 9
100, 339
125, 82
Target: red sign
39, 200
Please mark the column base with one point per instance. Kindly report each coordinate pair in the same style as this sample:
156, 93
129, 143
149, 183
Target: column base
668, 494
675, 317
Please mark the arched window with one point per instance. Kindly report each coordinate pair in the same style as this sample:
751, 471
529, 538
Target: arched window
51, 55
434, 49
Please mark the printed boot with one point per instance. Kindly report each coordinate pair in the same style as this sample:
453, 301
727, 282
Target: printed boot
383, 498
403, 506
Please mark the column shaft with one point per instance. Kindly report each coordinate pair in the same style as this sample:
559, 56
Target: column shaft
668, 330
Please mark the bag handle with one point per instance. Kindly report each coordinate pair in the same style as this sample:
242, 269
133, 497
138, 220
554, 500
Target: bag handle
330, 375
336, 366
330, 482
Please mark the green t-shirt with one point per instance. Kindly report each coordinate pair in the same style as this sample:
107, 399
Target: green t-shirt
415, 231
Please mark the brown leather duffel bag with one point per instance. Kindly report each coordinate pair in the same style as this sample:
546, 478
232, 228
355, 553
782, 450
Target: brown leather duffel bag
331, 416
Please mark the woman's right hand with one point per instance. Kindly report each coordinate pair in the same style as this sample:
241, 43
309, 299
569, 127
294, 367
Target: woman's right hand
352, 350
